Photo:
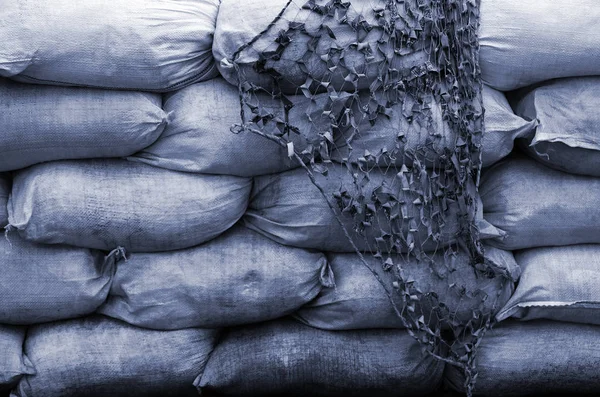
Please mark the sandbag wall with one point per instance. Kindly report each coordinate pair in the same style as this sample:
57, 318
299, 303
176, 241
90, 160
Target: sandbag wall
151, 249
543, 199
143, 237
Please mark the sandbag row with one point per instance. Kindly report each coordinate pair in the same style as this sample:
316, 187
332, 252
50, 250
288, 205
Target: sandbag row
238, 278
198, 137
145, 44
108, 357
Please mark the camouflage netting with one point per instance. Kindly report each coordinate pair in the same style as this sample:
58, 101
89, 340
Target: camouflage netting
359, 65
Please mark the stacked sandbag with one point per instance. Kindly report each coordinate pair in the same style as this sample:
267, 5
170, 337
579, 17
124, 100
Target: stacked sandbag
238, 278
299, 360
303, 59
535, 358
360, 301
44, 123
105, 204
557, 283
290, 209
98, 356
533, 205
568, 135
523, 43
147, 45
50, 282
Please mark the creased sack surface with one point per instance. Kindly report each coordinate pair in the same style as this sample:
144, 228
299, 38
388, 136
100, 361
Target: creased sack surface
13, 363
97, 356
534, 206
43, 123
4, 193
502, 127
42, 283
288, 358
359, 301
557, 283
568, 135
240, 277
103, 204
147, 45
235, 29
289, 209
526, 359
525, 42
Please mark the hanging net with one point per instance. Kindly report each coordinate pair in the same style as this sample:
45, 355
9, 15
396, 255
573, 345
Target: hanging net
389, 92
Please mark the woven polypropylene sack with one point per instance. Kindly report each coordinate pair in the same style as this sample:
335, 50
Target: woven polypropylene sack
502, 127
97, 356
557, 283
50, 282
568, 135
4, 193
523, 43
306, 361
240, 277
13, 363
147, 45
529, 358
359, 300
535, 206
103, 204
288, 208
43, 123
199, 138
236, 29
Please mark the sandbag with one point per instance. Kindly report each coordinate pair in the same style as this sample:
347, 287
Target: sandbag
199, 136
535, 358
43, 123
97, 356
290, 209
240, 277
43, 283
4, 193
305, 361
535, 206
525, 42
103, 204
568, 135
558, 283
13, 363
235, 29
502, 127
147, 45
359, 300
